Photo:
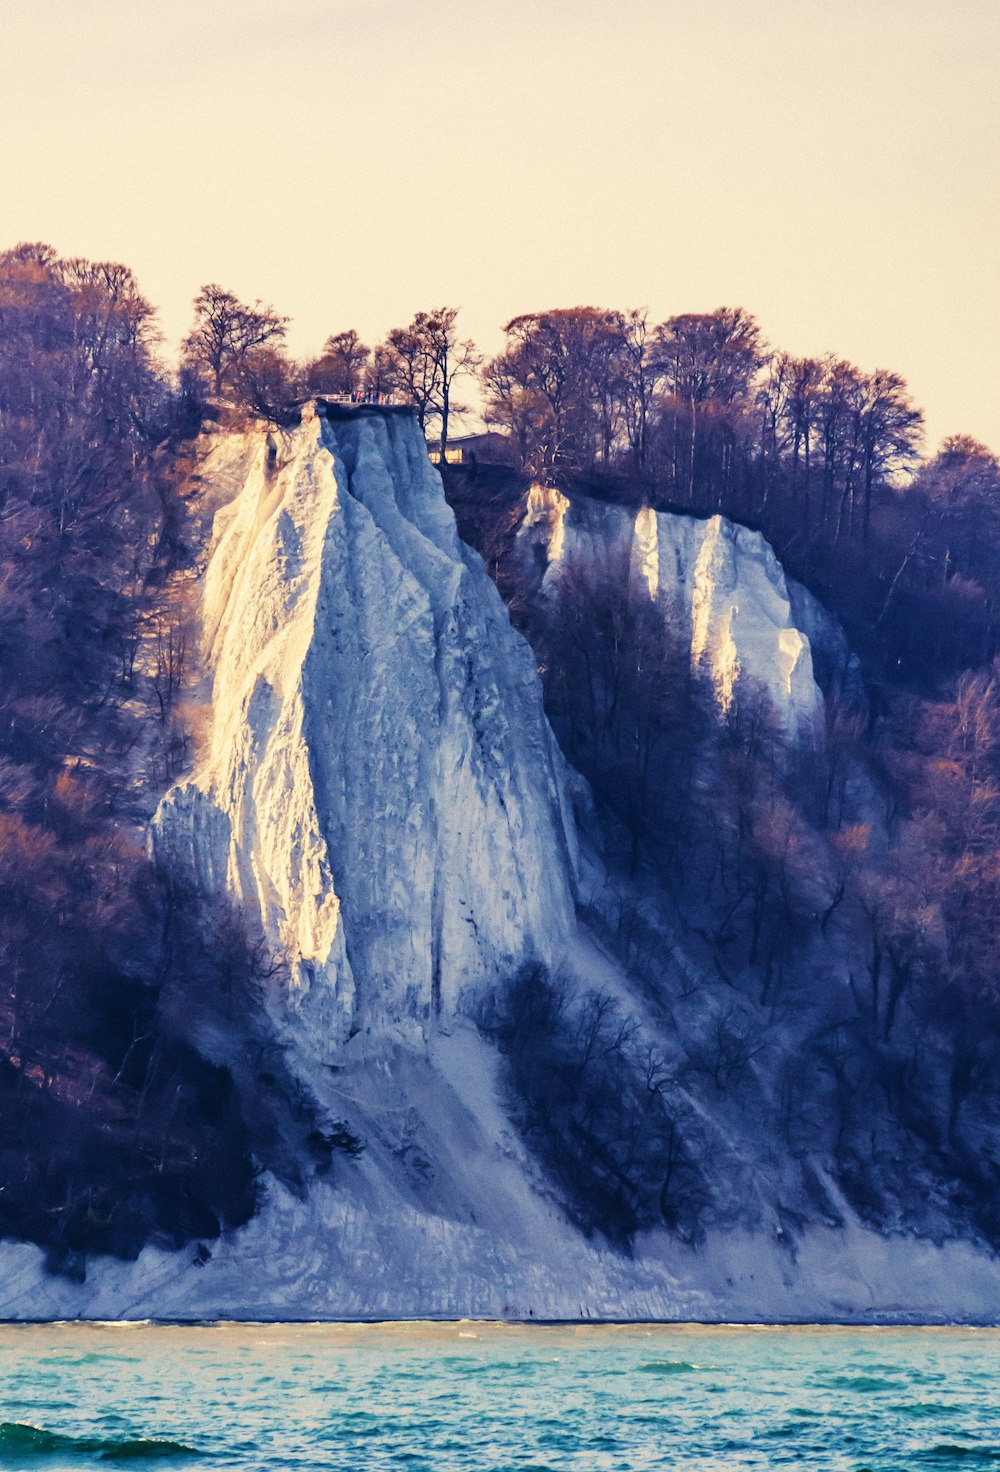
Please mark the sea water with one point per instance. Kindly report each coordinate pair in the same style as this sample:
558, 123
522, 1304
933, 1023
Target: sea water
486, 1397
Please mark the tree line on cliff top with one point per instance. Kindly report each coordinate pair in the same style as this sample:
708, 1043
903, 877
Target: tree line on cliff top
697, 413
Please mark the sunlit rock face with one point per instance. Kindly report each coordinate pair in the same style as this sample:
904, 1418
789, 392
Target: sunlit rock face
380, 783
715, 583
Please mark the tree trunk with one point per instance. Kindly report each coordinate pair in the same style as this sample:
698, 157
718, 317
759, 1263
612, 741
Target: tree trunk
445, 411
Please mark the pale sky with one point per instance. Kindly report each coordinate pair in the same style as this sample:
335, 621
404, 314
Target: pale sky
833, 167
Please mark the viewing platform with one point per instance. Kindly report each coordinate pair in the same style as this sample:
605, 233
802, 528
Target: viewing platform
344, 406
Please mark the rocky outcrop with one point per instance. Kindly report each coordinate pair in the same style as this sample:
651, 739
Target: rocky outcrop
380, 783
717, 584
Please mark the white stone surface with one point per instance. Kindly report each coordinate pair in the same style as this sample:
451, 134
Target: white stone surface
381, 784
719, 582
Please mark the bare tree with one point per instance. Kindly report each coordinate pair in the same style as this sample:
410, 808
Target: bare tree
708, 362
557, 387
226, 331
427, 358
342, 366
639, 378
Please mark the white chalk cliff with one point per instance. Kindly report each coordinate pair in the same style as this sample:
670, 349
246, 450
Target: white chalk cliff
716, 583
380, 784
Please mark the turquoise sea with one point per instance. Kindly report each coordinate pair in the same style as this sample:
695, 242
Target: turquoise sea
471, 1397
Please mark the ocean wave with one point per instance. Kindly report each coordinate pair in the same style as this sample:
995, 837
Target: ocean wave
19, 1439
866, 1384
946, 1452
669, 1367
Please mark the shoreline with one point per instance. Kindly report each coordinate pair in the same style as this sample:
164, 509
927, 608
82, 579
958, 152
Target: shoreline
706, 1326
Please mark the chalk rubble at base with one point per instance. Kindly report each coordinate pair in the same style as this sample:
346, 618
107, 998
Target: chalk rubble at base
445, 1217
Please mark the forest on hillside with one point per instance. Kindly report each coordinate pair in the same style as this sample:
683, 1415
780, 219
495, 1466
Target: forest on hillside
118, 1127
121, 1126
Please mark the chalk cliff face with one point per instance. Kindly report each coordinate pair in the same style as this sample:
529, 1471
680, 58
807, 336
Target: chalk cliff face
380, 784
716, 583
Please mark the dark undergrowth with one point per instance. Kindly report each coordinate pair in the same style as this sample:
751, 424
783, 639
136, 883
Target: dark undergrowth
601, 1107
